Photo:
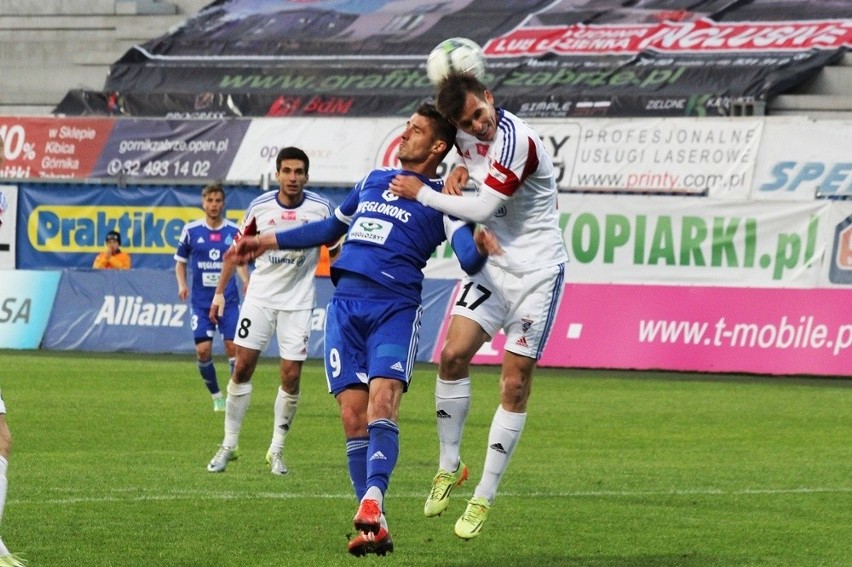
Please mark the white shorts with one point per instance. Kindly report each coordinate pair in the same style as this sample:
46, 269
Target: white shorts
523, 305
257, 324
2, 404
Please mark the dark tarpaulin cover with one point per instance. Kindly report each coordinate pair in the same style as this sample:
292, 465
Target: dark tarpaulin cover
544, 57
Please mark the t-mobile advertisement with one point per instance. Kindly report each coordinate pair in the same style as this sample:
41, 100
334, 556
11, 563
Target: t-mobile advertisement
694, 328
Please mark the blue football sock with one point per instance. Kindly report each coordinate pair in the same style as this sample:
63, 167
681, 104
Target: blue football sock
382, 452
208, 374
356, 454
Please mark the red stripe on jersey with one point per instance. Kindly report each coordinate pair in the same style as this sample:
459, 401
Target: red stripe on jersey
249, 230
532, 159
504, 181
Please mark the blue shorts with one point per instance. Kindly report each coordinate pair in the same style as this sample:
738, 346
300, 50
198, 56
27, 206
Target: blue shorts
368, 337
203, 328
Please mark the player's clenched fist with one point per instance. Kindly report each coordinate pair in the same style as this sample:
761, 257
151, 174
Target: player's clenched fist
245, 250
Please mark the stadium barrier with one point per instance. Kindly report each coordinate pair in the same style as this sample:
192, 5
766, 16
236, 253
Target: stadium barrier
779, 331
726, 209
139, 311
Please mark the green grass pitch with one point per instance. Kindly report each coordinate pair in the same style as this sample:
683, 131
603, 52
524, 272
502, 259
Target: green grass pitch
614, 469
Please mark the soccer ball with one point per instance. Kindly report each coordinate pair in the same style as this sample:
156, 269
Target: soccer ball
455, 55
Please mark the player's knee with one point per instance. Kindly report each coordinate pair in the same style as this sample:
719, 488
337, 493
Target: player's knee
244, 367
454, 362
203, 351
242, 373
290, 378
354, 421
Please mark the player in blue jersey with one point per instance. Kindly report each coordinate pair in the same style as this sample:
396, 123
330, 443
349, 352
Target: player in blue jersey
373, 319
202, 247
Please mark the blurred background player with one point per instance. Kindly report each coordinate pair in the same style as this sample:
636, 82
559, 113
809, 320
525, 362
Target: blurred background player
373, 319
6, 558
280, 300
112, 258
518, 291
202, 246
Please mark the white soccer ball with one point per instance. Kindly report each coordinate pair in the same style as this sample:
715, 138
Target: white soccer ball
455, 55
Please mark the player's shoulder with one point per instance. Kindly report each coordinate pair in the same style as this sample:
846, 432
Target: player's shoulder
263, 198
192, 225
510, 124
314, 197
263, 202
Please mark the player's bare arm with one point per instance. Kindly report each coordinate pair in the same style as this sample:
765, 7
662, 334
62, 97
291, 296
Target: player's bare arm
217, 306
180, 274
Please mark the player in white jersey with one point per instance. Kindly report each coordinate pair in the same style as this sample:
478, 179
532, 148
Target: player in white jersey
6, 558
518, 292
279, 300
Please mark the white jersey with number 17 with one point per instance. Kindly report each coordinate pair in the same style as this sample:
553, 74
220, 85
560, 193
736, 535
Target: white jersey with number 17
519, 170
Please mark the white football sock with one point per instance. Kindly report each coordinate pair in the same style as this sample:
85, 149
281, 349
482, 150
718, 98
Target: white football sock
374, 493
452, 402
285, 411
239, 396
506, 429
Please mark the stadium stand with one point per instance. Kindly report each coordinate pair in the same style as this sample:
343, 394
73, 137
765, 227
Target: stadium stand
51, 46
827, 95
55, 48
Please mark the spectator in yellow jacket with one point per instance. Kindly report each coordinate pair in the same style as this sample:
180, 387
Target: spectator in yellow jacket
112, 258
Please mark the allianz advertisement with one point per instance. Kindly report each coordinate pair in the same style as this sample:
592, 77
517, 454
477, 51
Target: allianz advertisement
127, 311
139, 311
65, 226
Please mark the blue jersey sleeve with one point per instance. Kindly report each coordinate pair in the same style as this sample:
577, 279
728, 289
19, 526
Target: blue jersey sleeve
465, 248
183, 247
311, 234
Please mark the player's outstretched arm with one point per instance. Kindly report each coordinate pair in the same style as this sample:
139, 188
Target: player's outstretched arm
306, 236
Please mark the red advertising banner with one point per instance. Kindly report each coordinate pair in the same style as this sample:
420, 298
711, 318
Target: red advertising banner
671, 37
50, 147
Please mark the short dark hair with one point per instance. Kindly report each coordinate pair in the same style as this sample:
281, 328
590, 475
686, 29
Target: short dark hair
444, 130
112, 235
292, 152
452, 94
213, 188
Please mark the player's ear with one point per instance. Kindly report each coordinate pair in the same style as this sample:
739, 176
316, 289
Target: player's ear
439, 147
